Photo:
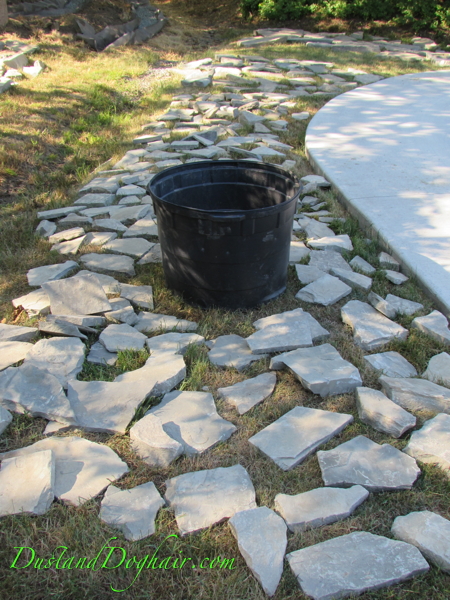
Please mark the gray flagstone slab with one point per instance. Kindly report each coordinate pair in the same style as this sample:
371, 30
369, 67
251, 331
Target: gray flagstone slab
151, 322
133, 511
326, 259
135, 247
13, 352
151, 443
280, 338
375, 409
27, 484
297, 434
100, 356
289, 317
111, 263
174, 343
417, 394
319, 507
352, 564
36, 391
247, 394
36, 277
371, 329
81, 295
203, 498
435, 325
438, 370
392, 364
320, 369
429, 532
83, 469
67, 234
159, 375
61, 327
108, 283
122, 337
326, 290
191, 419
140, 296
104, 406
35, 303
363, 462
431, 444
122, 315
232, 351
5, 419
62, 357
262, 541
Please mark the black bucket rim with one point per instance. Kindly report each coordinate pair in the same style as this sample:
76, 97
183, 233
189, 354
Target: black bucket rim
227, 214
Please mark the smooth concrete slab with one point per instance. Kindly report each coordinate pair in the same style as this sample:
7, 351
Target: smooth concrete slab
385, 148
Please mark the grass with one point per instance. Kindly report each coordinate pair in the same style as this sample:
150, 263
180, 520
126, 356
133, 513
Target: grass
56, 130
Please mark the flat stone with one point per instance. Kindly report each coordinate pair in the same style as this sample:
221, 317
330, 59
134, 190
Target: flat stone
388, 262
109, 262
417, 394
109, 225
297, 251
96, 200
191, 419
246, 394
61, 327
392, 364
140, 296
152, 444
326, 259
320, 369
128, 214
67, 234
130, 190
122, 337
120, 303
326, 290
70, 247
144, 228
13, 352
262, 541
376, 410
122, 315
135, 247
280, 338
363, 462
36, 391
403, 306
337, 243
27, 484
133, 511
396, 278
159, 375
429, 532
297, 434
302, 116
438, 370
315, 230
36, 277
62, 357
5, 419
371, 330
362, 265
382, 305
81, 295
57, 213
108, 283
307, 274
319, 507
435, 325
232, 351
99, 238
298, 315
45, 228
98, 355
152, 256
352, 564
431, 444
354, 280
174, 343
83, 469
101, 185
153, 322
81, 220
104, 406
203, 498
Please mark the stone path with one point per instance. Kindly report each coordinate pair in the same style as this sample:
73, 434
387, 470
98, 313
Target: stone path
114, 213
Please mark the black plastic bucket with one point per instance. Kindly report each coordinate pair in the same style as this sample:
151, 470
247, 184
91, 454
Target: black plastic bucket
225, 229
